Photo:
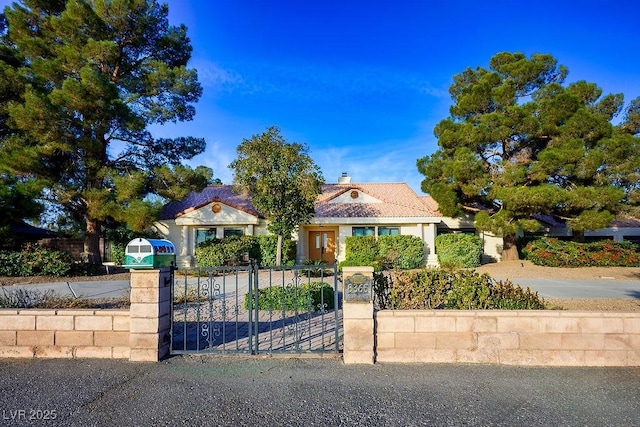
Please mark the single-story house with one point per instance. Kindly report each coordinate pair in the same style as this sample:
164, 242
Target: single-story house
342, 209
621, 229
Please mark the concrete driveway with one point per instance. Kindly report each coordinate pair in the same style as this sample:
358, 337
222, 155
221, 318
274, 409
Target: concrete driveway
564, 288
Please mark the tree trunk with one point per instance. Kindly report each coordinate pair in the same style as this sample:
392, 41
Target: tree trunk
509, 248
92, 242
279, 251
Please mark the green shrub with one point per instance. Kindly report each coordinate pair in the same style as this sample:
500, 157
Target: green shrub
268, 246
558, 253
386, 252
401, 252
231, 251
429, 289
361, 251
35, 260
459, 250
227, 251
305, 297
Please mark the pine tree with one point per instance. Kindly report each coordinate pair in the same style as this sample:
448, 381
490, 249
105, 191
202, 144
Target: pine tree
521, 142
96, 74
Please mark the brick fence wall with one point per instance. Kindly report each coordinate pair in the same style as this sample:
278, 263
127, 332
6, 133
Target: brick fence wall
518, 337
140, 333
64, 333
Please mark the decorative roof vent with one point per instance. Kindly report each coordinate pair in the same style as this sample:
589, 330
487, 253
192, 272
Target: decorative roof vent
344, 179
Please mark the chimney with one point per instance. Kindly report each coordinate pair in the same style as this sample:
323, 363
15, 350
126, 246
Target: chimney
344, 179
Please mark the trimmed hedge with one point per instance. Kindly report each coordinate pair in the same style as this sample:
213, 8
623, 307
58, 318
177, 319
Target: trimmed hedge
386, 252
305, 297
552, 252
35, 260
231, 250
459, 250
429, 289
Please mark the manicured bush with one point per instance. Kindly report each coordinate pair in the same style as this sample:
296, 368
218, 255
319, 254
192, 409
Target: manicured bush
401, 252
231, 251
361, 251
428, 289
386, 252
459, 250
310, 296
227, 251
558, 253
35, 260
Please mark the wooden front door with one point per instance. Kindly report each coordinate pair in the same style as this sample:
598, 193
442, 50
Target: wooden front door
322, 246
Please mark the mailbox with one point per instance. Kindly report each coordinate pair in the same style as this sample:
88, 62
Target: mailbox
143, 253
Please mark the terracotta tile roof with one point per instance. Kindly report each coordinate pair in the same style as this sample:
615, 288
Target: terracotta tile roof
214, 193
397, 200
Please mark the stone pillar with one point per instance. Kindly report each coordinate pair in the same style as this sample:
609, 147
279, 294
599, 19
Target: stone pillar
149, 313
357, 313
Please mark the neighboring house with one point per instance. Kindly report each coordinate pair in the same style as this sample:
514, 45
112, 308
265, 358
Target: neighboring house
343, 209
620, 229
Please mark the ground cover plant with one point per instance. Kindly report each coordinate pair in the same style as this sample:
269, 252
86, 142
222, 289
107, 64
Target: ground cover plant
429, 289
552, 252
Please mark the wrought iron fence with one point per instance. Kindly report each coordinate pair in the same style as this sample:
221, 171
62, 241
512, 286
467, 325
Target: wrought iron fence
247, 310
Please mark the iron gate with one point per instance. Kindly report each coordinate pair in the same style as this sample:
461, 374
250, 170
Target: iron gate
248, 310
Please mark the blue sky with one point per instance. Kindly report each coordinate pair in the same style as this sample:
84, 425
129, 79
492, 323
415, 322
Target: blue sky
363, 82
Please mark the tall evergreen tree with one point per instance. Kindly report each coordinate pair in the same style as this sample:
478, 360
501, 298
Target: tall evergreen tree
521, 142
281, 178
96, 75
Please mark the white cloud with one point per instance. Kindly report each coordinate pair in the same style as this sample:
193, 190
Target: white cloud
213, 76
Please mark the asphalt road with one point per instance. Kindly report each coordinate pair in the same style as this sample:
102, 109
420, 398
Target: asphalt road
224, 391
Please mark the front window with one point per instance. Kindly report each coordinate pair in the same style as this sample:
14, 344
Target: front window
363, 231
228, 232
388, 231
205, 235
